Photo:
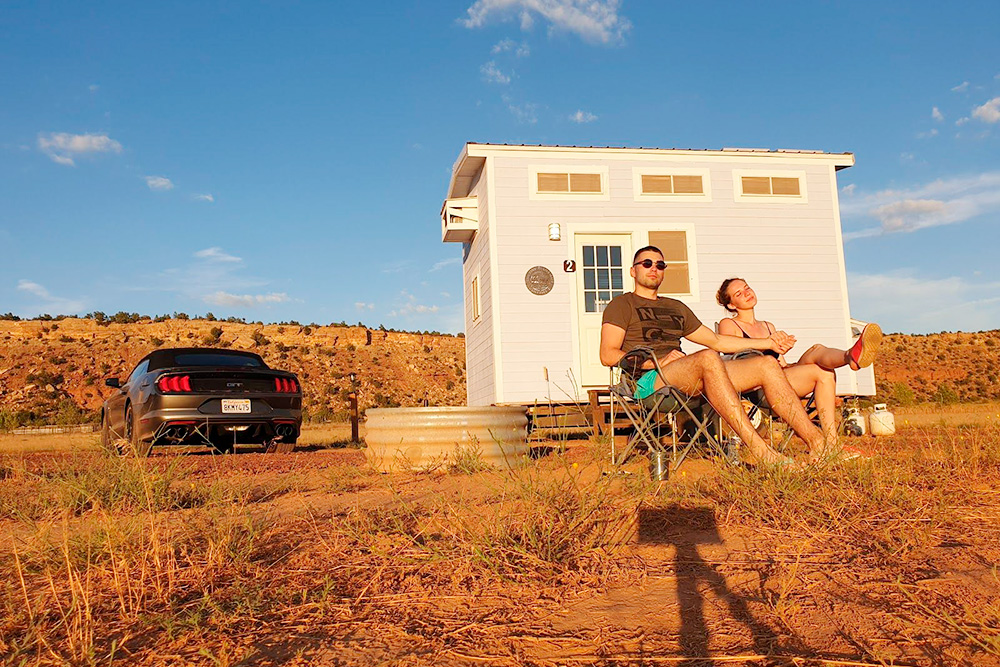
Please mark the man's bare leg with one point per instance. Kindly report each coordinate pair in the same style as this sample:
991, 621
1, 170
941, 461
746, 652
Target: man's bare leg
822, 384
764, 372
704, 373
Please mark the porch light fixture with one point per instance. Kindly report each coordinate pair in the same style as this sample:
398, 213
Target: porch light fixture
555, 233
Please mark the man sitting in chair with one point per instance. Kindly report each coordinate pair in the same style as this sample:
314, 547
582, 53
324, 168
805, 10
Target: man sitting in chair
642, 318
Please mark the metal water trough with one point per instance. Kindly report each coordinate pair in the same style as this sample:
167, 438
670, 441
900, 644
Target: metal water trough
428, 438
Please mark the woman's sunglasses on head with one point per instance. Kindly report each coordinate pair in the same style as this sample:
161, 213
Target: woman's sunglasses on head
648, 264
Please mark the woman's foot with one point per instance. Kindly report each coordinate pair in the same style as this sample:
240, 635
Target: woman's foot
863, 353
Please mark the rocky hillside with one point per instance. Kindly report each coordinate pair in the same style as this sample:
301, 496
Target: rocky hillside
944, 368
54, 371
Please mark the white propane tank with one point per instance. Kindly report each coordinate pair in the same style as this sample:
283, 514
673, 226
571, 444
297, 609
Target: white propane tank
881, 421
854, 422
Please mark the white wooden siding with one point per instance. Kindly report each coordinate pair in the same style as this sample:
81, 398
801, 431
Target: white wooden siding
790, 253
479, 376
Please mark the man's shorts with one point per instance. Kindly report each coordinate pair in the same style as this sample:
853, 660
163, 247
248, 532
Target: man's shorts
646, 386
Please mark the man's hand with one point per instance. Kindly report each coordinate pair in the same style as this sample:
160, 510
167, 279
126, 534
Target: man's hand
781, 342
672, 355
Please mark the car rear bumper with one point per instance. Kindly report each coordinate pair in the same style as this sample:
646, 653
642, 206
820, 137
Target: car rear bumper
208, 416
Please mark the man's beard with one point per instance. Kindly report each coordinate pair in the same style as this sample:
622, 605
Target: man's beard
647, 282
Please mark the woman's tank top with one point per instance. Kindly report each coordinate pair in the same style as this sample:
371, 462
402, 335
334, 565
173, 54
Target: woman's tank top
770, 353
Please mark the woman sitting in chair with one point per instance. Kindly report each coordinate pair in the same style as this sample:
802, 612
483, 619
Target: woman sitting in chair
813, 373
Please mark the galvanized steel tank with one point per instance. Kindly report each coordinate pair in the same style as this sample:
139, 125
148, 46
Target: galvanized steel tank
428, 438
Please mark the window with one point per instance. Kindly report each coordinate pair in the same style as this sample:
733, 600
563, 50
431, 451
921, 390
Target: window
666, 183
474, 298
580, 183
603, 276
769, 186
677, 277
551, 182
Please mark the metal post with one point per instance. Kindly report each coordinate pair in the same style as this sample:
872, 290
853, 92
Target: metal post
353, 397
354, 417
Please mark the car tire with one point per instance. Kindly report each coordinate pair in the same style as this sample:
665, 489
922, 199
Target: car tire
106, 442
139, 447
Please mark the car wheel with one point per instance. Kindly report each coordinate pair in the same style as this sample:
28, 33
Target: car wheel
139, 447
106, 441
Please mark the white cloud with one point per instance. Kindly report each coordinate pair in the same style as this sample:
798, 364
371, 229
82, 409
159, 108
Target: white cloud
362, 305
411, 307
159, 183
217, 254
93, 87
962, 121
492, 74
205, 197
595, 21
451, 261
989, 112
961, 88
942, 202
582, 116
951, 303
519, 49
221, 298
53, 305
849, 189
937, 115
930, 133
62, 147
523, 113
215, 276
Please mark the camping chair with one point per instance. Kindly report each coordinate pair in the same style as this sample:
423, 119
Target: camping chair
649, 416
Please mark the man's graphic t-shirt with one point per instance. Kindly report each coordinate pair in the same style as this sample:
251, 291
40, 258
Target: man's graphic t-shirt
658, 324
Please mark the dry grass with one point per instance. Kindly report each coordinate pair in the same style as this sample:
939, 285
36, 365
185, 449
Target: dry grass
313, 558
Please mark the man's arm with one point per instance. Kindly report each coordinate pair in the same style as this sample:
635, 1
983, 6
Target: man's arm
779, 341
612, 338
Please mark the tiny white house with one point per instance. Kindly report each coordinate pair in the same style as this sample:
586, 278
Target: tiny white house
548, 233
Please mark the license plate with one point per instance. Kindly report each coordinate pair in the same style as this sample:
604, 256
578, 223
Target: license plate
237, 406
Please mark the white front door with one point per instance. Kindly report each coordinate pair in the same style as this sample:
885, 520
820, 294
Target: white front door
601, 260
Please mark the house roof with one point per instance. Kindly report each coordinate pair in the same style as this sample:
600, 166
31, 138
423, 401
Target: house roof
470, 161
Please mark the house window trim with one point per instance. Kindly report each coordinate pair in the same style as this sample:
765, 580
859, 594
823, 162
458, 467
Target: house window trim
639, 195
475, 299
738, 196
694, 295
535, 195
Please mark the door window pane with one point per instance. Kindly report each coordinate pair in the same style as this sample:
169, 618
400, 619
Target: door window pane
603, 276
602, 255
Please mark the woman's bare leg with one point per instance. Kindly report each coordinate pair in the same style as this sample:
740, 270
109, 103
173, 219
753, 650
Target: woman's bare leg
764, 372
825, 357
822, 384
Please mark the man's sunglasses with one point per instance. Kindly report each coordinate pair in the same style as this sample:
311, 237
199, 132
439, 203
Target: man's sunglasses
648, 264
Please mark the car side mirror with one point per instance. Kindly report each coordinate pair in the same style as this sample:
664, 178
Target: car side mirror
113, 382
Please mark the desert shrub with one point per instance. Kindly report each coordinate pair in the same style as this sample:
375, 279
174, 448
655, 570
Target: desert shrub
902, 394
156, 341
945, 394
351, 347
259, 339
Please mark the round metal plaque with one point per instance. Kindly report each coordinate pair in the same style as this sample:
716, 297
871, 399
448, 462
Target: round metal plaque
539, 280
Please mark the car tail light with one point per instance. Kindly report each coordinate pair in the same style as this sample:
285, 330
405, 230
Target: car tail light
174, 383
285, 386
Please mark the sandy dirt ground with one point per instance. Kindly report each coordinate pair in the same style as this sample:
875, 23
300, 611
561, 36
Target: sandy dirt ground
892, 564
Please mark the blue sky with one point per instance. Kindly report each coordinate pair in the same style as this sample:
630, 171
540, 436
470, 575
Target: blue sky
281, 161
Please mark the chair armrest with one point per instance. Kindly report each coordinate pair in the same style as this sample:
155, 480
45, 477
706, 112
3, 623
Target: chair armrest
634, 360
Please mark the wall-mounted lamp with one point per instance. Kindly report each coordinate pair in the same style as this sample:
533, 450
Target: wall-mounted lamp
555, 232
